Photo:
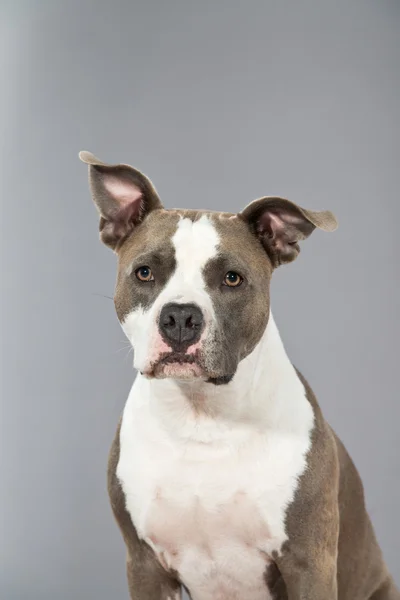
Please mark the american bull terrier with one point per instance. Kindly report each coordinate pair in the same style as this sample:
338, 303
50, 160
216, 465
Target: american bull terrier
223, 475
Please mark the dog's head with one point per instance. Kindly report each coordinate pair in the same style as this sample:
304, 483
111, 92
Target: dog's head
192, 291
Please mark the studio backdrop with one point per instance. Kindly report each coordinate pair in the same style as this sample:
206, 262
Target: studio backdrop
219, 103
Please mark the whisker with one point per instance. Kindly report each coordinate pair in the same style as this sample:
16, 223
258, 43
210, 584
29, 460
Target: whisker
127, 347
128, 353
103, 296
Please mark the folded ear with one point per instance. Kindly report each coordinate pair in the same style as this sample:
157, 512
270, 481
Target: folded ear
280, 225
123, 196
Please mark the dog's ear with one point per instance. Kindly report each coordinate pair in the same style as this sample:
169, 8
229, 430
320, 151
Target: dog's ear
123, 196
280, 225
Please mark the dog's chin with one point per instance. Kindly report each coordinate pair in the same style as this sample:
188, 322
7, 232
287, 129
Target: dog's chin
177, 370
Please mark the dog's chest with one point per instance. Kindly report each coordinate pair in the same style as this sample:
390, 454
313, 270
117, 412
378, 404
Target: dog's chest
212, 512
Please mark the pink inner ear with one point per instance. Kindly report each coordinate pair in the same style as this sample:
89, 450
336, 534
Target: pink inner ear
275, 223
124, 192
271, 223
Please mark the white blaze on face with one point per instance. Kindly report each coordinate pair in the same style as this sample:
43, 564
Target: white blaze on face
195, 243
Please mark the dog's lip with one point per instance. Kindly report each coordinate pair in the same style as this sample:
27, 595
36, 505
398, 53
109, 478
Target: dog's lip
178, 357
179, 360
182, 360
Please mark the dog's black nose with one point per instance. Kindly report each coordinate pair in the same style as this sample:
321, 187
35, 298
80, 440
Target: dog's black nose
181, 324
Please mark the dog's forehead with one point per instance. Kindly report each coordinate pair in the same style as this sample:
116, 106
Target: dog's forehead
199, 234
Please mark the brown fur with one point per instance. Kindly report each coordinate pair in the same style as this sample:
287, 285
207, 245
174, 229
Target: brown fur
332, 550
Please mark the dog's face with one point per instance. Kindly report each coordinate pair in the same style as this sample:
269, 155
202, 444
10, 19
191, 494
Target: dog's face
192, 291
192, 294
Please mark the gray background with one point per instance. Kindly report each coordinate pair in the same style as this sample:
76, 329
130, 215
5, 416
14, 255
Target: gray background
219, 103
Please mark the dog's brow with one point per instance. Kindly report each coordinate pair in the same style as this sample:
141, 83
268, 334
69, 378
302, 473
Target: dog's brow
150, 255
228, 260
147, 258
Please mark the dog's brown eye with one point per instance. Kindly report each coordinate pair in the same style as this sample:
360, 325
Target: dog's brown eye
144, 274
232, 279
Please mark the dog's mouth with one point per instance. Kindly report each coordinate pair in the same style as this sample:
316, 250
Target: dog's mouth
177, 365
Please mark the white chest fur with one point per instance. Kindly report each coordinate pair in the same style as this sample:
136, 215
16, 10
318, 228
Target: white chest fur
210, 493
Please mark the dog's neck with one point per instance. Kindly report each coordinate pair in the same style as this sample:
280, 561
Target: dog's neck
264, 387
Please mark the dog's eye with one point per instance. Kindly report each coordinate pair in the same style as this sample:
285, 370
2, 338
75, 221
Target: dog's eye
144, 274
232, 279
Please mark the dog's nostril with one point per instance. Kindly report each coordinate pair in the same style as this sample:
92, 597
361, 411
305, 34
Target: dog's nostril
169, 322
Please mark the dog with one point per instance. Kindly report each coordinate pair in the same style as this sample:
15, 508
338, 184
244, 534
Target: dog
224, 477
